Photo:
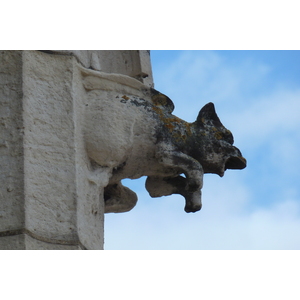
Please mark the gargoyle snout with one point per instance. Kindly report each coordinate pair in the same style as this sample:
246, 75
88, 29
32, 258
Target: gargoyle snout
236, 161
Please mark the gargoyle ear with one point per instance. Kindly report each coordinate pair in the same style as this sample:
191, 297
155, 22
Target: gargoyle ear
162, 101
208, 114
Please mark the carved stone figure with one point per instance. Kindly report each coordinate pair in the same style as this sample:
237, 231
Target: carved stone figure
135, 134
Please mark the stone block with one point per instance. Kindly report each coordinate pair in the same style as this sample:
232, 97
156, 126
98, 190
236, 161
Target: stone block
11, 142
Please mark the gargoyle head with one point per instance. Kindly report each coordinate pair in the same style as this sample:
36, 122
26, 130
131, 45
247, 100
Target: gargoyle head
214, 144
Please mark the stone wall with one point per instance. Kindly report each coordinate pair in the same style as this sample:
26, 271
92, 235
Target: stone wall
12, 214
51, 197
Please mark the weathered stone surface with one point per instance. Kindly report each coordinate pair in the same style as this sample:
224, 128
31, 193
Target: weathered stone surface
133, 63
34, 244
11, 144
132, 132
49, 148
12, 242
51, 194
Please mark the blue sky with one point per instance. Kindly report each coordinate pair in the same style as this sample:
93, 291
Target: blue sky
257, 97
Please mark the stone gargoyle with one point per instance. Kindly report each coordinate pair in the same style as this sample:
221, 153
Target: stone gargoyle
133, 137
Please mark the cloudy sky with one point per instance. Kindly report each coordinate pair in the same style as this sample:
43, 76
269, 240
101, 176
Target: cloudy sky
257, 97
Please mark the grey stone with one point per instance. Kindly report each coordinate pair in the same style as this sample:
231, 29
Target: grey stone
132, 133
51, 196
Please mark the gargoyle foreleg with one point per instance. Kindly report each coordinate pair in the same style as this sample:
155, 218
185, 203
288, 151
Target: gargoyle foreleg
188, 165
158, 186
164, 186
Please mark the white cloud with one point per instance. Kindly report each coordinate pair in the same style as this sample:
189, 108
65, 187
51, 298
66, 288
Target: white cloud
276, 227
225, 222
269, 117
198, 77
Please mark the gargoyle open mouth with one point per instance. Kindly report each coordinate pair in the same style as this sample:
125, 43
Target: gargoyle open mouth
235, 162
